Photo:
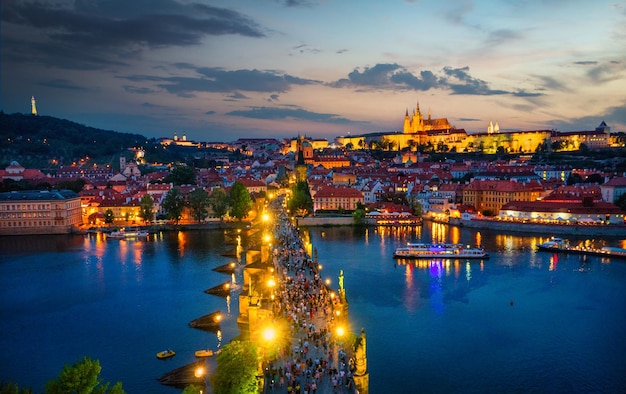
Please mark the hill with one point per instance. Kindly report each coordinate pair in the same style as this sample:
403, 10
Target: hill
35, 141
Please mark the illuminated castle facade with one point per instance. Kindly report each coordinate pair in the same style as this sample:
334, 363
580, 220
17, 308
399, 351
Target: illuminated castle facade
440, 136
416, 124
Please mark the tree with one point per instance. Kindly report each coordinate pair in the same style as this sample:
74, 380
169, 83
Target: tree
146, 211
595, 178
108, 216
236, 369
173, 204
557, 146
73, 185
239, 201
81, 378
416, 207
193, 389
219, 203
10, 388
301, 201
358, 216
181, 175
198, 204
574, 179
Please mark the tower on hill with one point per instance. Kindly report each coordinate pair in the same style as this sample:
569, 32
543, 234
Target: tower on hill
33, 107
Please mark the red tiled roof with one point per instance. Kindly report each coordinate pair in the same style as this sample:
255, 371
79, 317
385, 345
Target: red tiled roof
332, 192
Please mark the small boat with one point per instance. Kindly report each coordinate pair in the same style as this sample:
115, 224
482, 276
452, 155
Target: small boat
563, 246
554, 244
204, 353
125, 234
166, 354
439, 251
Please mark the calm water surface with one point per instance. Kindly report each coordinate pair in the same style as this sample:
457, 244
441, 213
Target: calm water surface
522, 321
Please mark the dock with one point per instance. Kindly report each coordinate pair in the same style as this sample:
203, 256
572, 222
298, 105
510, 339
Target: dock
210, 322
185, 376
221, 290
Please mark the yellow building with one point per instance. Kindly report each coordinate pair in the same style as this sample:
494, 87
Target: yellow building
39, 212
416, 124
440, 136
491, 195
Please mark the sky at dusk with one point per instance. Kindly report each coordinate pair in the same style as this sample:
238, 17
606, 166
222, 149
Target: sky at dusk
222, 70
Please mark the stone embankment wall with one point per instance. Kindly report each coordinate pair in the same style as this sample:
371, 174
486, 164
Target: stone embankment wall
326, 221
546, 229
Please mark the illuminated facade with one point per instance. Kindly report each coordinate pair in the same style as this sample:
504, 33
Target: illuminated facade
337, 198
489, 195
441, 136
33, 106
39, 212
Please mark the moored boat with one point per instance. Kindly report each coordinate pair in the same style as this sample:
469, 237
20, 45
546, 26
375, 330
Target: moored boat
204, 353
554, 244
441, 251
561, 245
166, 354
123, 233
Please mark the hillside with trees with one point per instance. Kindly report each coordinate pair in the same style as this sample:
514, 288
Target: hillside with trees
36, 140
46, 142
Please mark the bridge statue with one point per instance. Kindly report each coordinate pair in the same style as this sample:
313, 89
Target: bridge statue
361, 376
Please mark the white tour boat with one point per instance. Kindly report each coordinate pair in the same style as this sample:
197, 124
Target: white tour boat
439, 251
131, 233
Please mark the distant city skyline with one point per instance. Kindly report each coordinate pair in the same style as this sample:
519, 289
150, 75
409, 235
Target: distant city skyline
222, 70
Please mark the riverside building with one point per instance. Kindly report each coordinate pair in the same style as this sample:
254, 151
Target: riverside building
39, 212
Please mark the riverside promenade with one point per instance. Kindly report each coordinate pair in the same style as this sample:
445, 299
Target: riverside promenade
316, 352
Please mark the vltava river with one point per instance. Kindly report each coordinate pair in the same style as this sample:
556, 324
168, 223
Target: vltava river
521, 321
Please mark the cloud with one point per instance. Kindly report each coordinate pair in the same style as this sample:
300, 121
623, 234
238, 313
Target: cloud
613, 116
218, 80
551, 83
458, 10
602, 73
523, 93
238, 96
209, 112
396, 77
377, 76
138, 90
460, 82
586, 63
298, 3
62, 84
502, 36
106, 30
304, 48
269, 113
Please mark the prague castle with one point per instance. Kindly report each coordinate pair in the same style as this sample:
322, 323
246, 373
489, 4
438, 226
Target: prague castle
440, 136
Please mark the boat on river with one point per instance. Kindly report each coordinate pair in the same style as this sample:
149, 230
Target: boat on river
204, 353
439, 251
123, 233
561, 245
166, 354
554, 244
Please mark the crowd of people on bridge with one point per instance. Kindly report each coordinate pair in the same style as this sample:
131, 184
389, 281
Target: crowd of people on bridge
314, 358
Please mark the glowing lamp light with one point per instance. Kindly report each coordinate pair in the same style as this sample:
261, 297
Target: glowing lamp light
269, 334
340, 331
199, 372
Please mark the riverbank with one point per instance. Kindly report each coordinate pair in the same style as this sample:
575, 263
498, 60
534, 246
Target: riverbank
591, 230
